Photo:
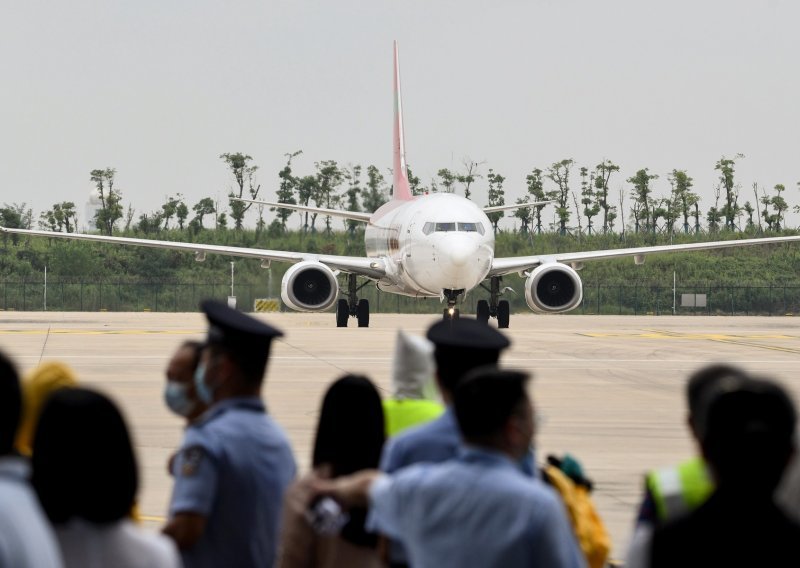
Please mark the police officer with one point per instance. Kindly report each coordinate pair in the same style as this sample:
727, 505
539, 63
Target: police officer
460, 346
235, 462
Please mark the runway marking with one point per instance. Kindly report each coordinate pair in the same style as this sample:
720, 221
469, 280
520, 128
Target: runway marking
745, 340
101, 331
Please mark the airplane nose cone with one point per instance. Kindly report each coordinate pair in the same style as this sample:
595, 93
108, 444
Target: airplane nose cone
461, 253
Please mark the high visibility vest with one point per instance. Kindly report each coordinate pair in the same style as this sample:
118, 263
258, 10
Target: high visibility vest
679, 490
400, 414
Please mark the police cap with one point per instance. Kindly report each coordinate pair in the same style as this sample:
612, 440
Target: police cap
462, 345
244, 336
466, 333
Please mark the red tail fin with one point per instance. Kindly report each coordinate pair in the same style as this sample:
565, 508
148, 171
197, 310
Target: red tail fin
401, 188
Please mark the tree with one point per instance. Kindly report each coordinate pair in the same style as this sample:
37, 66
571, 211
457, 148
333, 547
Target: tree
61, 217
559, 173
286, 191
448, 179
591, 207
537, 193
779, 205
202, 208
496, 197
524, 214
110, 199
307, 188
353, 176
375, 194
749, 209
150, 223
329, 178
244, 175
10, 217
641, 197
603, 172
170, 209
414, 182
181, 212
469, 176
682, 190
726, 166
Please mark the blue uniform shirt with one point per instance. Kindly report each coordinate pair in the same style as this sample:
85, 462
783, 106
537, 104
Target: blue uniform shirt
477, 510
435, 441
233, 467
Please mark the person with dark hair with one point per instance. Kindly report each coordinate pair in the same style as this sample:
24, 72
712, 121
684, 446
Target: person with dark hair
26, 539
479, 509
88, 494
349, 439
460, 345
673, 492
235, 463
747, 441
180, 395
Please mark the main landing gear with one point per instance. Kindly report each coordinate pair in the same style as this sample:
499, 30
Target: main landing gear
495, 307
352, 306
451, 312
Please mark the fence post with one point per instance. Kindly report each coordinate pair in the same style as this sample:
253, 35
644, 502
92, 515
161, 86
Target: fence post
24, 296
598, 298
100, 306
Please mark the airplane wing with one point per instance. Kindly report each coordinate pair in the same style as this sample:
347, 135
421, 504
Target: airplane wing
352, 215
516, 206
368, 267
511, 264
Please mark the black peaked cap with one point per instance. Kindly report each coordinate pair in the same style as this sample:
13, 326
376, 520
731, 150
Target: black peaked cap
235, 330
466, 334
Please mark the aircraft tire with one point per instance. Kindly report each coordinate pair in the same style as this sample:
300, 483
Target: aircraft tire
482, 311
503, 314
363, 313
342, 313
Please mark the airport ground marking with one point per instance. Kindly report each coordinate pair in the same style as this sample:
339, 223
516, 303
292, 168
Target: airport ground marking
745, 340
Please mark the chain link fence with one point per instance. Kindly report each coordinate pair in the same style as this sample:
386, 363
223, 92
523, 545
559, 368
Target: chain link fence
598, 298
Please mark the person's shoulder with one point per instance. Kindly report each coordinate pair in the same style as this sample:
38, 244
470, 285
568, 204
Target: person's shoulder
154, 549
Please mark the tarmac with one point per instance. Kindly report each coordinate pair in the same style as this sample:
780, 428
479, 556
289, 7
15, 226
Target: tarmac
607, 389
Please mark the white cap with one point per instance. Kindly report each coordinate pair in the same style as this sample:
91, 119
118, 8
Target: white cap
413, 366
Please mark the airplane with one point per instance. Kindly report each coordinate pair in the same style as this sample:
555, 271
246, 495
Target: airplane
438, 245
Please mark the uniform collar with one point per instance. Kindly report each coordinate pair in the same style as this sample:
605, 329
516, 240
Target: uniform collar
15, 467
252, 403
475, 454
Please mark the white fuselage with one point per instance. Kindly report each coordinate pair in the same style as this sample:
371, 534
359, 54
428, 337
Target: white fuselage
436, 242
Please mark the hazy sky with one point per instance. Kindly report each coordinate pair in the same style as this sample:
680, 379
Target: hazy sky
158, 89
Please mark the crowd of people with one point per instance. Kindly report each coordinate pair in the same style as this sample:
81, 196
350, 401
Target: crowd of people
442, 473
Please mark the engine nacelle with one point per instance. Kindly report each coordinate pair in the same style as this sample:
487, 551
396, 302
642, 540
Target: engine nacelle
553, 288
309, 286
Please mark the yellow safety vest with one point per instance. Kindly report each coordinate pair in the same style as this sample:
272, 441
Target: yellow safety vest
404, 413
679, 490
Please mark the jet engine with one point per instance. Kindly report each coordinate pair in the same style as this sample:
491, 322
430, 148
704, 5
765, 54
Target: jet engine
553, 288
309, 286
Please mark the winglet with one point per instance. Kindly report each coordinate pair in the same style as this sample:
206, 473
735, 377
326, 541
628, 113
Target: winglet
401, 188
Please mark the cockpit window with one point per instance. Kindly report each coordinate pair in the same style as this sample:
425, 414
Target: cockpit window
471, 227
430, 227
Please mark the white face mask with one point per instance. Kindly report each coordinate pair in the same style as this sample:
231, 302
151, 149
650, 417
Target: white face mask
176, 395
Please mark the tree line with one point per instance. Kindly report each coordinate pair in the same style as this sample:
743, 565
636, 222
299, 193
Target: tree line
583, 206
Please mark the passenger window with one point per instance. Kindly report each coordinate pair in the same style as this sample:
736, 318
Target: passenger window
445, 227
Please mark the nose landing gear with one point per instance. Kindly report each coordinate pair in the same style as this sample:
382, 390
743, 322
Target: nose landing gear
352, 306
451, 312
